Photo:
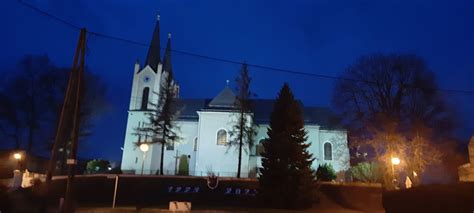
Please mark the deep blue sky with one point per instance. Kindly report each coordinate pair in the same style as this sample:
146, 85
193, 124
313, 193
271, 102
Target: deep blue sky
320, 37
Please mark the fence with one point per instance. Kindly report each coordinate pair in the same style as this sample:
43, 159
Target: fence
191, 173
150, 190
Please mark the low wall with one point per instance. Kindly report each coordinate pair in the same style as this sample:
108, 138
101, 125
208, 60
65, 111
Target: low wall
365, 197
159, 190
431, 198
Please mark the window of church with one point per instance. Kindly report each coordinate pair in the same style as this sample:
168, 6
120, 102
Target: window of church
222, 137
327, 151
195, 147
145, 94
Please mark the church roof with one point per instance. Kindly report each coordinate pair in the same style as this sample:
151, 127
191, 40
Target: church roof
262, 108
153, 56
225, 99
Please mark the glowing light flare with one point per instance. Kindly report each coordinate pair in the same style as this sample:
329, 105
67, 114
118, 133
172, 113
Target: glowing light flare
395, 161
144, 147
17, 156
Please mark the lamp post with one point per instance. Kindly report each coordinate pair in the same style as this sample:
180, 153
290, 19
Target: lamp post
395, 161
17, 157
144, 148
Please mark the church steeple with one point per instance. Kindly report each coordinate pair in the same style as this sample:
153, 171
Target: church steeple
153, 57
167, 58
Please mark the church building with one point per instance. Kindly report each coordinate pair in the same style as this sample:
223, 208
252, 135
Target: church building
205, 127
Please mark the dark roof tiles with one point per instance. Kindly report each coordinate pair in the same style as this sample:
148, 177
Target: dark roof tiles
262, 108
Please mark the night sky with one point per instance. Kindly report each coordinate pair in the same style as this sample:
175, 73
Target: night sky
321, 37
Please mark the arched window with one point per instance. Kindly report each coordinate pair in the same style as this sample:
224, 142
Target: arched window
222, 137
327, 151
145, 94
195, 148
260, 149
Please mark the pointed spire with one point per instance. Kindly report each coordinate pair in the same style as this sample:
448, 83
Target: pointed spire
167, 58
153, 57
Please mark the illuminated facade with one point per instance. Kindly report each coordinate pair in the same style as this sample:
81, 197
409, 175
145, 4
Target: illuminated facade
205, 125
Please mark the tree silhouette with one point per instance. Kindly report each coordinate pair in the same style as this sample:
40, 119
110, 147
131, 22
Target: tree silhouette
162, 128
244, 129
286, 177
391, 106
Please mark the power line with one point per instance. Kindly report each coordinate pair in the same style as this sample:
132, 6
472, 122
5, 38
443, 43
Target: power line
264, 67
25, 3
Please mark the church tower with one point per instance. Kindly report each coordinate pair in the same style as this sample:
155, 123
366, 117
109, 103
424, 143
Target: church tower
146, 86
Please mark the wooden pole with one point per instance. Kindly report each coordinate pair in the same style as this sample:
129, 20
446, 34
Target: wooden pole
72, 160
63, 121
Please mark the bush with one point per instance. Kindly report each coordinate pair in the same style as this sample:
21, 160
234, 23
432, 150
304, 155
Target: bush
368, 172
97, 166
325, 172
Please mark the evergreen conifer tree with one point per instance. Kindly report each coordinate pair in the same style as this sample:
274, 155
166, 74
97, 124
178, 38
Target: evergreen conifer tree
286, 177
162, 119
244, 128
162, 127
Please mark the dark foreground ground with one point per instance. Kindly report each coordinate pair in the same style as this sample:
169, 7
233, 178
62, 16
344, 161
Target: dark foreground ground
152, 194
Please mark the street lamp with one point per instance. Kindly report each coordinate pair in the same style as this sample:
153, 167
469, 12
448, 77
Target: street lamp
144, 148
17, 157
395, 161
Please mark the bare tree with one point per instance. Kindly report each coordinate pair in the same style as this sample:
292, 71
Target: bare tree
388, 102
31, 100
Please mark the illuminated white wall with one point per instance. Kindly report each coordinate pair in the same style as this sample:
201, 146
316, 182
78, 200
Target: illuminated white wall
209, 156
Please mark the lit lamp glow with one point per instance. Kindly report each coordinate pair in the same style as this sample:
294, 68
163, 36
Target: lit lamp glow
144, 148
17, 156
395, 161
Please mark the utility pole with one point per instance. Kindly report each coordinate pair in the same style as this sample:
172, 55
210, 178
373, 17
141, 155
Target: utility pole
69, 121
63, 129
72, 160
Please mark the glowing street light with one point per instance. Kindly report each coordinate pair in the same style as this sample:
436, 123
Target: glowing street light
17, 157
395, 161
144, 148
